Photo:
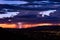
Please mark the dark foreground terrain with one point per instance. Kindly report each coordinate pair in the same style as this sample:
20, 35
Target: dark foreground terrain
37, 33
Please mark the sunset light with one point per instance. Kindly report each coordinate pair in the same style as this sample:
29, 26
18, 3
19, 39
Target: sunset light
26, 25
8, 25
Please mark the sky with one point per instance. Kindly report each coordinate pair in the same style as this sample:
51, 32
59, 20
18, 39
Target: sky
20, 2
12, 14
12, 2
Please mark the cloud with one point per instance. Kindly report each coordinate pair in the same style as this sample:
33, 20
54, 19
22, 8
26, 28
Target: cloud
9, 14
47, 12
12, 2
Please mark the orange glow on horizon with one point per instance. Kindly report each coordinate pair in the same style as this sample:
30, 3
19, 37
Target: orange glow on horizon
8, 25
34, 25
25, 25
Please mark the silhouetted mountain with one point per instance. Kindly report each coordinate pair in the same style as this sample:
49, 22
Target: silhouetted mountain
38, 33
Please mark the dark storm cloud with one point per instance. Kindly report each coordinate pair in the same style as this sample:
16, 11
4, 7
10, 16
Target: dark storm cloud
33, 0
31, 17
12, 0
